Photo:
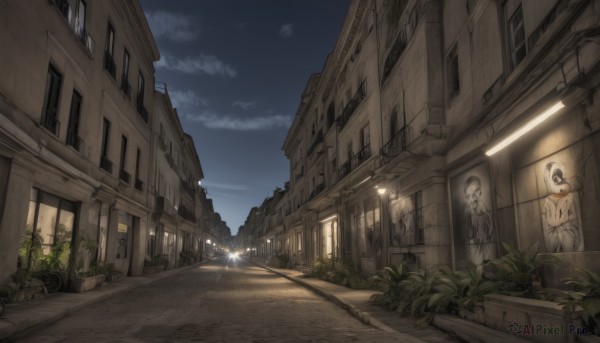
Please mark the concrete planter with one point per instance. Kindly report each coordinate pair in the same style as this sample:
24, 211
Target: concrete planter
153, 269
536, 320
87, 283
26, 294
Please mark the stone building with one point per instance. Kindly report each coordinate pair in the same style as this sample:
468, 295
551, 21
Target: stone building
77, 142
410, 144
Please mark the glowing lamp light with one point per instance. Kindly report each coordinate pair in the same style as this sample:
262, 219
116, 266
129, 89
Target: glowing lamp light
268, 241
526, 128
381, 191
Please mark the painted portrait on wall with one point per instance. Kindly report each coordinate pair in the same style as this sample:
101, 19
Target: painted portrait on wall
473, 225
548, 198
402, 213
560, 212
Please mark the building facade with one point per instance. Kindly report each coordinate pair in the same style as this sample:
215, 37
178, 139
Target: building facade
403, 148
78, 143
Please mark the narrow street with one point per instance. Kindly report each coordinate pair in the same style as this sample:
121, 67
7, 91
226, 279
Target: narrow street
223, 301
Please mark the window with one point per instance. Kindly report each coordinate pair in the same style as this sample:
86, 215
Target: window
73, 138
50, 111
123, 175
393, 124
516, 35
125, 87
140, 98
103, 211
125, 223
330, 115
80, 20
365, 144
109, 61
138, 182
49, 230
453, 74
140, 92
105, 163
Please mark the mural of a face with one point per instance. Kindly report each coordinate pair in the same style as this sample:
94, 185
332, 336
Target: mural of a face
554, 177
473, 192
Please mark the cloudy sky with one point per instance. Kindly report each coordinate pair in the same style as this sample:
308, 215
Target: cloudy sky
235, 70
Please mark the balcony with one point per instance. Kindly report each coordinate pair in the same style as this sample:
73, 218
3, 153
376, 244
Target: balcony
394, 55
74, 140
162, 143
106, 164
187, 188
352, 105
124, 176
125, 87
164, 206
354, 162
171, 161
186, 214
109, 64
50, 121
75, 25
318, 189
139, 184
141, 109
316, 142
396, 145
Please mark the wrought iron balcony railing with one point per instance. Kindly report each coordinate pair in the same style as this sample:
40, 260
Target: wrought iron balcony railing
109, 64
352, 105
394, 55
318, 139
187, 188
186, 214
74, 140
396, 144
125, 86
139, 184
356, 160
124, 176
141, 109
50, 121
106, 164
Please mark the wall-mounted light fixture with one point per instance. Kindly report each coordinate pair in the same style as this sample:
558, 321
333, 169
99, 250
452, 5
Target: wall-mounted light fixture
525, 128
381, 190
328, 218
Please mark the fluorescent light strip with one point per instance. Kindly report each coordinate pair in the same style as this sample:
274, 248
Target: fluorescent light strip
328, 218
526, 128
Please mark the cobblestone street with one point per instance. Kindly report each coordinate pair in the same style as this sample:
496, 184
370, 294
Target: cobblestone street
224, 301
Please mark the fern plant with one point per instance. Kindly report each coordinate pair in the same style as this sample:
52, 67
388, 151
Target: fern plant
586, 296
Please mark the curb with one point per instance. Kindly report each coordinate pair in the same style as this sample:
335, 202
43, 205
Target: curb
355, 311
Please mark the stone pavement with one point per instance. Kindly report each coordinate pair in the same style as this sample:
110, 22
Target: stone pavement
33, 314
23, 317
358, 303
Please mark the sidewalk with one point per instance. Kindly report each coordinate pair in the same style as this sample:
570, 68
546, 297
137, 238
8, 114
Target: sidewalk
358, 303
21, 317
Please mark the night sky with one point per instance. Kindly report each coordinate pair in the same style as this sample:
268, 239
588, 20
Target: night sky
235, 71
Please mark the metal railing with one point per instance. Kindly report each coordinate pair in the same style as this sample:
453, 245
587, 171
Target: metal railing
139, 184
74, 140
318, 139
125, 86
124, 176
106, 164
187, 188
352, 105
141, 109
396, 144
78, 28
356, 160
186, 214
394, 55
109, 64
50, 121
